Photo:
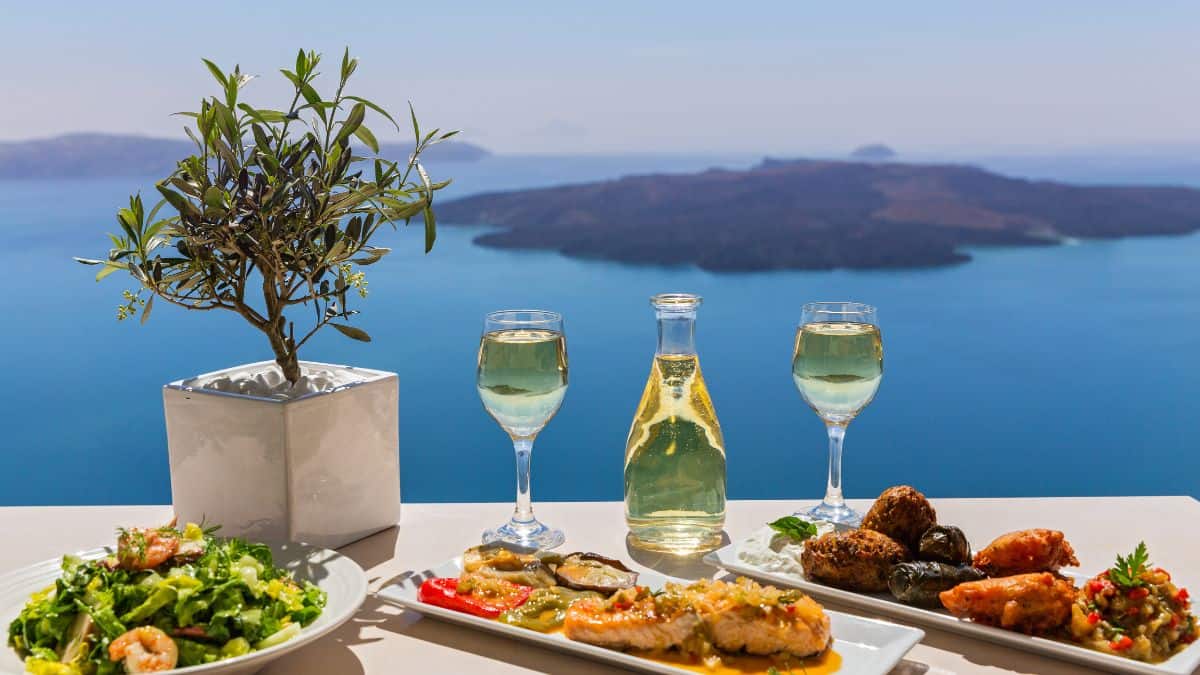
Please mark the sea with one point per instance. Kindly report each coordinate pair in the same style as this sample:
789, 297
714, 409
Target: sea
1063, 370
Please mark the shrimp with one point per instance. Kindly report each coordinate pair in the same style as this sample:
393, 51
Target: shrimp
144, 548
144, 650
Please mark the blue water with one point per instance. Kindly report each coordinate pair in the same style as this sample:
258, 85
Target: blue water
1068, 370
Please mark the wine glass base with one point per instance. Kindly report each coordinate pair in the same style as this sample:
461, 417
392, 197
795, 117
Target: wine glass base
533, 535
839, 514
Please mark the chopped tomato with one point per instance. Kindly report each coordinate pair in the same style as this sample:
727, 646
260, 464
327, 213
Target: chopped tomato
1093, 618
1182, 596
1097, 586
1133, 611
499, 597
1121, 644
1138, 593
1174, 620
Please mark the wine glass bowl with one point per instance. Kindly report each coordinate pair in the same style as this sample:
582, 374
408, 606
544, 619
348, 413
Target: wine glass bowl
837, 364
522, 379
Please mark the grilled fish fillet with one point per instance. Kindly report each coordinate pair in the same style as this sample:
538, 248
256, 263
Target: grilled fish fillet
734, 617
631, 619
744, 616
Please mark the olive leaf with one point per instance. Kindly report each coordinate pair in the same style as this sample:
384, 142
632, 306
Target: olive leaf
268, 192
352, 332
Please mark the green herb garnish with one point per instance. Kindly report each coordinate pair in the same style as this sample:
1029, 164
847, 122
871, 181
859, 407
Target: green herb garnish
1128, 571
796, 528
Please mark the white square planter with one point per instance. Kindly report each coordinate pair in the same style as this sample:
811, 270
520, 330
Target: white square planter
323, 468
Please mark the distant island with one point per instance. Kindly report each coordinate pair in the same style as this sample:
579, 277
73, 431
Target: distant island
96, 155
874, 152
815, 214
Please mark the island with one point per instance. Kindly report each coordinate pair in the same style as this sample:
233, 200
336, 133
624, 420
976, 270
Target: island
873, 152
92, 155
816, 214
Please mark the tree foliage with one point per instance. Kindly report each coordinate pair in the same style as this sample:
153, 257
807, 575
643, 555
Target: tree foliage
274, 214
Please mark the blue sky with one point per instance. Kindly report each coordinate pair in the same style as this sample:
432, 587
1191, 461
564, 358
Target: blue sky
685, 77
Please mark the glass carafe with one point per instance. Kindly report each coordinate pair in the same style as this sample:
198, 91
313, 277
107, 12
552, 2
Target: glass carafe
675, 455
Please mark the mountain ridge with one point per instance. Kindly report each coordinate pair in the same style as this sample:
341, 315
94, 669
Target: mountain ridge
90, 155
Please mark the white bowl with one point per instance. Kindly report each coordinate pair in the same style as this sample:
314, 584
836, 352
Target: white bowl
340, 577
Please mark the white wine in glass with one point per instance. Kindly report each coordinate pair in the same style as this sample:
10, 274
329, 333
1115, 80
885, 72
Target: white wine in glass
836, 366
522, 379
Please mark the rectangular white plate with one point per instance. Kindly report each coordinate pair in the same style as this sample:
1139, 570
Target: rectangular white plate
867, 646
1183, 663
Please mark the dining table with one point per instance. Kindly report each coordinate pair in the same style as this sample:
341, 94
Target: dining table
383, 638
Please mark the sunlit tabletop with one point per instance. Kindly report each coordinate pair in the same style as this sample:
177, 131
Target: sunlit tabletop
385, 639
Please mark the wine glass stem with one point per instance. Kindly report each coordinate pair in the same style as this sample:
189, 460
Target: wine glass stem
523, 513
833, 491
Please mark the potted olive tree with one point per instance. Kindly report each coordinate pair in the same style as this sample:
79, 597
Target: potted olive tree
273, 218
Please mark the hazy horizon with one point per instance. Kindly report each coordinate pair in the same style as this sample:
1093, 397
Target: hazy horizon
948, 79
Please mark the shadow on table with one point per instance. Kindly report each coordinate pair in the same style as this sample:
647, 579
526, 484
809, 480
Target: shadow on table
987, 655
907, 667
373, 550
682, 567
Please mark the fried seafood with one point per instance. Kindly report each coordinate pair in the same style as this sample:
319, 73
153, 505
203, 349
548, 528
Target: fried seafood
744, 616
902, 513
1026, 551
632, 619
857, 560
1030, 603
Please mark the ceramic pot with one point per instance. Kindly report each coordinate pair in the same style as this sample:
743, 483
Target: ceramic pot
322, 468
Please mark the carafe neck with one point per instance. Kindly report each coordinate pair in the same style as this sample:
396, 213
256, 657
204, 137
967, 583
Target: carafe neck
676, 314
676, 334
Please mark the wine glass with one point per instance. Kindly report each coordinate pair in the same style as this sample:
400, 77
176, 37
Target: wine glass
837, 365
522, 378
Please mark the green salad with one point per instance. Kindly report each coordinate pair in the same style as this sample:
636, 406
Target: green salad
166, 599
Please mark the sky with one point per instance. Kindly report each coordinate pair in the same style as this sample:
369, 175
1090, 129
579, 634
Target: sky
653, 77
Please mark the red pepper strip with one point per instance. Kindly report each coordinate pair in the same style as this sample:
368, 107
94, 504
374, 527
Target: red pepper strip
1121, 644
443, 592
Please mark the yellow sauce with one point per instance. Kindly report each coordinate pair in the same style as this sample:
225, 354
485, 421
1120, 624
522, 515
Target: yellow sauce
829, 662
742, 664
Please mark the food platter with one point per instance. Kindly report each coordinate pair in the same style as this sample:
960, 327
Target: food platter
865, 646
1182, 663
341, 578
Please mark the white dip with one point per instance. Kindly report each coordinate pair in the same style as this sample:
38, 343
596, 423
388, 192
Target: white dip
771, 551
